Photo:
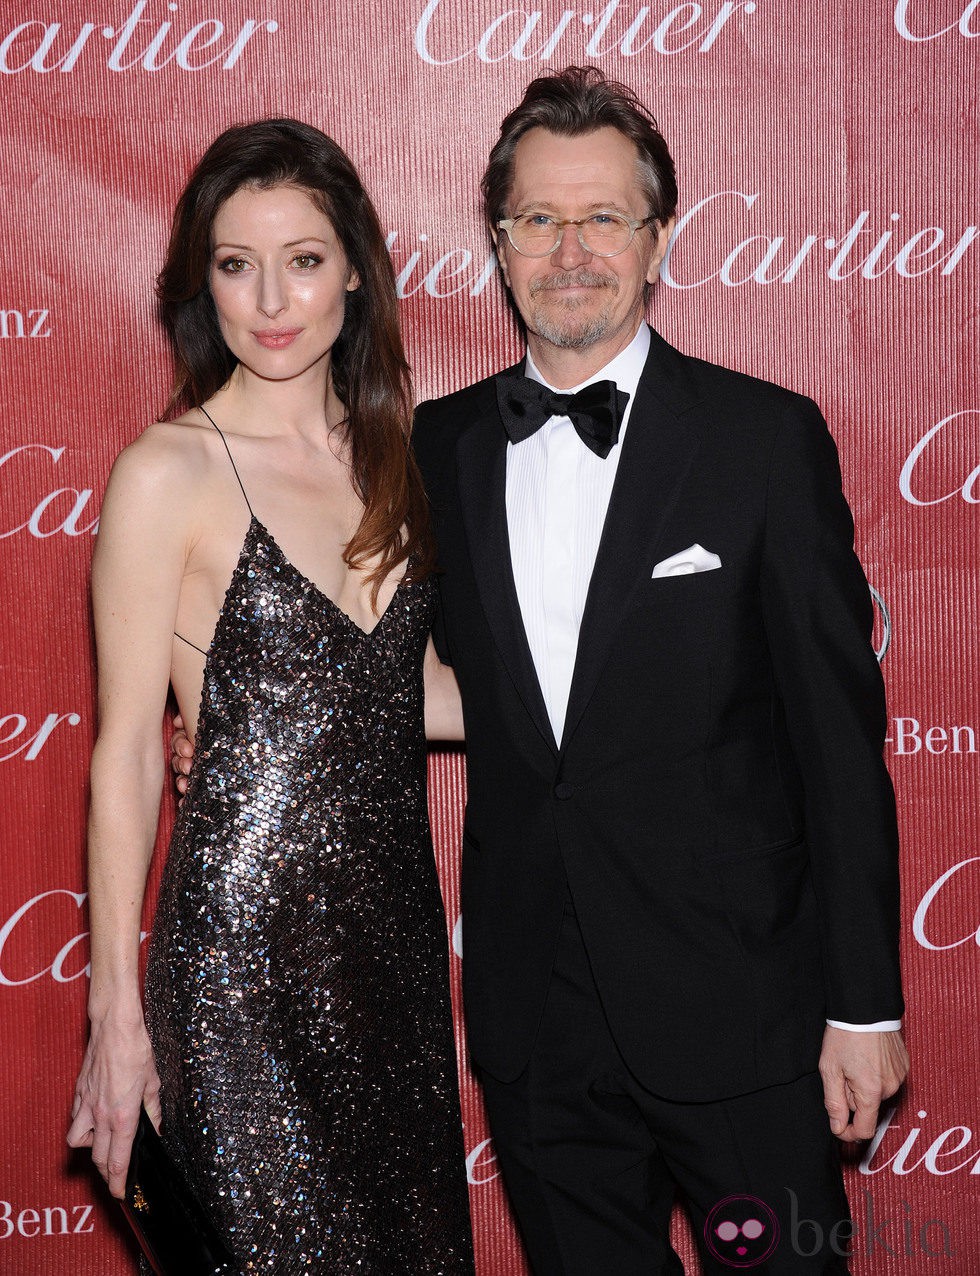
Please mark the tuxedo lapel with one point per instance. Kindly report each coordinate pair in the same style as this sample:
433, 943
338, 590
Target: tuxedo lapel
481, 462
659, 447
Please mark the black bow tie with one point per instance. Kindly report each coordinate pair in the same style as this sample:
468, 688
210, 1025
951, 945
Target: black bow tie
596, 412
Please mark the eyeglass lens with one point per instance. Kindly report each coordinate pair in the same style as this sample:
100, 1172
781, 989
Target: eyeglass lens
605, 234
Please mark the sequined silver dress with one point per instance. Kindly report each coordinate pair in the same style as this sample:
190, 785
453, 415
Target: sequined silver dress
296, 991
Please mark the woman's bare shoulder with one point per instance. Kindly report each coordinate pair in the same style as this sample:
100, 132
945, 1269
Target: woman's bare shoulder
178, 456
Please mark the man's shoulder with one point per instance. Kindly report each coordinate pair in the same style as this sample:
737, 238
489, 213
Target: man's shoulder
734, 411
439, 422
713, 381
456, 410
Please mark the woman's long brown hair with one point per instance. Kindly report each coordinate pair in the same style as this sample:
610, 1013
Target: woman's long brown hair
370, 374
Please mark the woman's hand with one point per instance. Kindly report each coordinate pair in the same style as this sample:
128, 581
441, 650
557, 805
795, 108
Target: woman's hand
181, 754
118, 1075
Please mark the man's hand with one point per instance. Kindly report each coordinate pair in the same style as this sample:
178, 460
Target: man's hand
859, 1071
181, 754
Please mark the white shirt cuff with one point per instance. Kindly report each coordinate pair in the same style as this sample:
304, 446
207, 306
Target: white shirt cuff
883, 1025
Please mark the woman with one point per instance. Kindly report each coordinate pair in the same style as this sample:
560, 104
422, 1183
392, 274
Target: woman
267, 553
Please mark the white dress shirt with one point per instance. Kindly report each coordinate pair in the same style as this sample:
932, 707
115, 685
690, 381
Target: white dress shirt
557, 495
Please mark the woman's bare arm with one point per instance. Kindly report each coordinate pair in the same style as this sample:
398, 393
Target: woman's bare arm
443, 707
136, 578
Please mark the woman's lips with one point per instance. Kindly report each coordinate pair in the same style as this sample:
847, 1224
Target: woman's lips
277, 338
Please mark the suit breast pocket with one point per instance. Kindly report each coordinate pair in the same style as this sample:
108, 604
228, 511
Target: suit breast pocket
695, 595
689, 619
713, 580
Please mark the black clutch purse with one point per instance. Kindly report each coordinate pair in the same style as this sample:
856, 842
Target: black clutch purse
173, 1230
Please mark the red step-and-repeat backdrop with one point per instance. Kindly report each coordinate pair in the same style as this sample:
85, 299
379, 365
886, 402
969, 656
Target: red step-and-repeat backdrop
827, 156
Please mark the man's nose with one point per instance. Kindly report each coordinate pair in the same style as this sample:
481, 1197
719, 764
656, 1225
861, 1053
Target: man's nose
570, 252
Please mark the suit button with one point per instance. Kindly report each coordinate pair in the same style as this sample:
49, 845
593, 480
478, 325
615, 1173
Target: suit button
564, 791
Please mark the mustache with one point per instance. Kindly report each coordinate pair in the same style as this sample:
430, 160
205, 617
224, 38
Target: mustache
573, 279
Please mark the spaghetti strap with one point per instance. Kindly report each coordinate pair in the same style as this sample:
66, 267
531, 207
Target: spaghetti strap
233, 466
189, 643
247, 502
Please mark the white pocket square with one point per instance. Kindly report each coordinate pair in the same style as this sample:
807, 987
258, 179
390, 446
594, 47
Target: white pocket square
687, 562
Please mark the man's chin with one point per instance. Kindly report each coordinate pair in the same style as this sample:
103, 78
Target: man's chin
571, 333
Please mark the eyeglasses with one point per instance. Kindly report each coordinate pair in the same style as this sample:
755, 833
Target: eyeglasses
602, 234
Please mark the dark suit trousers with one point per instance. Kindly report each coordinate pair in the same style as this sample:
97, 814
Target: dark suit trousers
592, 1161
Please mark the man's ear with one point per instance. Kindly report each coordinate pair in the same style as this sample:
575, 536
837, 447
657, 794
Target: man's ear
500, 248
662, 234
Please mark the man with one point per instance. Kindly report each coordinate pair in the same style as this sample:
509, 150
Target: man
679, 852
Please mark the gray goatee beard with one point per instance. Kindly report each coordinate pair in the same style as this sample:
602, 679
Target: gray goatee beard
567, 331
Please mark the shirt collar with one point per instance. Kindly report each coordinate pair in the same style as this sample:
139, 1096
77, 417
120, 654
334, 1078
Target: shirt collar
626, 369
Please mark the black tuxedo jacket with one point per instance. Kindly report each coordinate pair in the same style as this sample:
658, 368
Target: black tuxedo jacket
718, 807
